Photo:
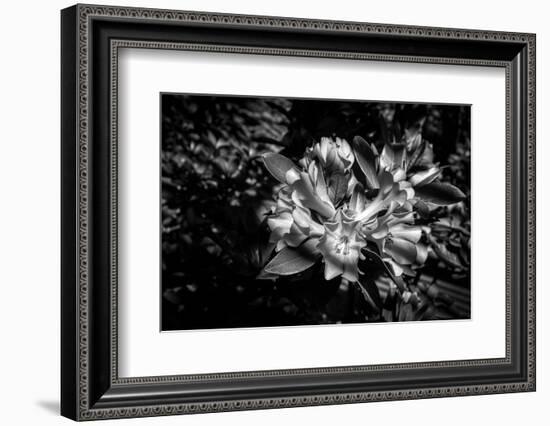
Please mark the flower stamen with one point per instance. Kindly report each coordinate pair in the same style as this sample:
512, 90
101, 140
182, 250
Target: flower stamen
342, 246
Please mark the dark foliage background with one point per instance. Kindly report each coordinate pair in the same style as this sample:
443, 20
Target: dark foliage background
216, 192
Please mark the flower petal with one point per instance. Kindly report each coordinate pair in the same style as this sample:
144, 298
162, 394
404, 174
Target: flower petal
308, 196
295, 237
399, 174
409, 233
351, 270
333, 268
278, 165
341, 248
380, 233
302, 218
402, 251
424, 177
421, 253
279, 225
391, 158
358, 199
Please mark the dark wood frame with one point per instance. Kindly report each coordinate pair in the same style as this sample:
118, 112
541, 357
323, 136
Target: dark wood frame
91, 37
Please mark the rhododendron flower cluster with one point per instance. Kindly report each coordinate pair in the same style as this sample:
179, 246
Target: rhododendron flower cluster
341, 202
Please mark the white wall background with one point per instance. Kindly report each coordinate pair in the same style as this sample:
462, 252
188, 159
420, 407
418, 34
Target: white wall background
29, 214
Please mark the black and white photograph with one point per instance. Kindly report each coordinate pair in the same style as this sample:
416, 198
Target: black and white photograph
275, 213
293, 211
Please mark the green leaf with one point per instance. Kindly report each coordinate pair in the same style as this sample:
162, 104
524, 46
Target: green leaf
263, 275
366, 157
424, 177
444, 254
423, 312
367, 298
278, 165
337, 187
290, 261
370, 287
389, 306
398, 281
405, 312
422, 208
439, 193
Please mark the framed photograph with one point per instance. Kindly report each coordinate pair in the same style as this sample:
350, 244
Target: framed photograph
263, 212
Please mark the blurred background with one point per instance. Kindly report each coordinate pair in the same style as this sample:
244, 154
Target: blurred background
216, 193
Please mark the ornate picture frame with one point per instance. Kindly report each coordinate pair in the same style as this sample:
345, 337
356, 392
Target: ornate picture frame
91, 38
